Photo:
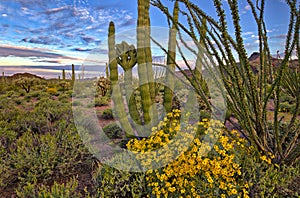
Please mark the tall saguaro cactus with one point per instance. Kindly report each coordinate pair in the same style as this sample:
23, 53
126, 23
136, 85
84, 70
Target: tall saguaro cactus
168, 93
144, 60
3, 78
63, 74
73, 73
113, 66
106, 71
116, 96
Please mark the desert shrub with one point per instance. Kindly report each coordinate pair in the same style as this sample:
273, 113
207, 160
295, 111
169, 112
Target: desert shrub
10, 93
286, 107
201, 169
26, 83
107, 114
18, 101
45, 116
7, 138
64, 85
111, 182
287, 98
67, 189
69, 93
35, 94
52, 91
52, 110
112, 130
43, 157
103, 85
101, 101
76, 103
63, 97
266, 178
22, 93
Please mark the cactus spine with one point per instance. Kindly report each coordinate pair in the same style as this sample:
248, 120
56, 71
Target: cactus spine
168, 93
116, 96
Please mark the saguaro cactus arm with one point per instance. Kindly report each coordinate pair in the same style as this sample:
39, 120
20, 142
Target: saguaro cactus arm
126, 57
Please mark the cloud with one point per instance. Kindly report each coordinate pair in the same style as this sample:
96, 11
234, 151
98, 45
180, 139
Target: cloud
88, 39
45, 40
56, 10
247, 7
128, 23
247, 33
82, 50
6, 51
47, 61
280, 36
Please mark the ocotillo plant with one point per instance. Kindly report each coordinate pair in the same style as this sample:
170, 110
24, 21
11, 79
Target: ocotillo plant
247, 93
171, 56
116, 96
126, 57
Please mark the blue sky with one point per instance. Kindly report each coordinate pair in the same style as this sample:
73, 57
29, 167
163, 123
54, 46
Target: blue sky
58, 33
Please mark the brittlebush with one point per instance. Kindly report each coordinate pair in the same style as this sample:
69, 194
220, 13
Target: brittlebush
200, 159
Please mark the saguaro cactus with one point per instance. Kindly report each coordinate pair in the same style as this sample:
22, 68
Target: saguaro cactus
63, 74
3, 78
144, 60
106, 71
113, 66
126, 58
116, 96
168, 91
73, 73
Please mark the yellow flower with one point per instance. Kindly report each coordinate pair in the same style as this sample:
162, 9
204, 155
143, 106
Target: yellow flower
233, 191
171, 189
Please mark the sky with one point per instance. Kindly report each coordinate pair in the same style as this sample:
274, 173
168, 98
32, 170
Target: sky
44, 37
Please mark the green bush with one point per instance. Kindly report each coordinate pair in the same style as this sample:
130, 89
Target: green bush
67, 189
35, 94
18, 101
111, 182
76, 103
52, 91
112, 130
107, 114
101, 101
286, 107
270, 180
42, 158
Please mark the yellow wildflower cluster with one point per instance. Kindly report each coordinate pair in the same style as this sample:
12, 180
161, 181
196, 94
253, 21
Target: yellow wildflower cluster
206, 159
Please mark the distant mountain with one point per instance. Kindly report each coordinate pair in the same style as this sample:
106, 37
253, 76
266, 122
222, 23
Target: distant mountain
254, 56
28, 75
